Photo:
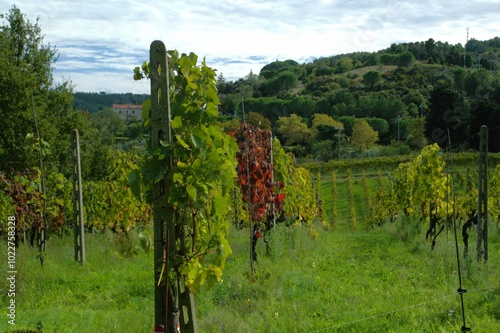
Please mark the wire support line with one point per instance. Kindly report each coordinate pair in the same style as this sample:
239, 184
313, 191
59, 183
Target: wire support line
399, 310
492, 129
460, 290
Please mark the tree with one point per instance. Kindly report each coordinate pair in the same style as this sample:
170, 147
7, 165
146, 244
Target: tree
324, 150
293, 130
283, 81
223, 87
343, 65
447, 115
25, 63
487, 112
258, 120
387, 59
405, 59
276, 67
363, 134
348, 122
323, 123
228, 125
430, 50
416, 137
372, 78
381, 126
302, 106
107, 121
459, 75
26, 91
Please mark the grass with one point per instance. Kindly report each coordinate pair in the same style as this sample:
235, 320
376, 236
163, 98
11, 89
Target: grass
361, 209
344, 281
107, 294
382, 280
350, 281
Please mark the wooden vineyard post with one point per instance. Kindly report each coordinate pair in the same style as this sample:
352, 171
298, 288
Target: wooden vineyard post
351, 199
367, 191
482, 210
174, 304
79, 221
272, 178
334, 200
42, 231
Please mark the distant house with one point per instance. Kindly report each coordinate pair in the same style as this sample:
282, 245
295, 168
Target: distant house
129, 112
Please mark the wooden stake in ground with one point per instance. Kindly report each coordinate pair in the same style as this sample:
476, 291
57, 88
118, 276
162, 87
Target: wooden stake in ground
482, 206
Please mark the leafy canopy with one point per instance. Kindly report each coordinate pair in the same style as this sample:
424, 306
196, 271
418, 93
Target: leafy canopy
363, 135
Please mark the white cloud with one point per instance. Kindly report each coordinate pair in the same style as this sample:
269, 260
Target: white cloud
100, 42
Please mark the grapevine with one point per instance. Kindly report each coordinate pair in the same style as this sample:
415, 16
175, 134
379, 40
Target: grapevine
111, 203
494, 195
420, 189
367, 191
263, 196
27, 199
385, 208
300, 202
321, 214
202, 175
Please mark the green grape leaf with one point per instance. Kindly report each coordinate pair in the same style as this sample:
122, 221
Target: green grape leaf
182, 142
191, 190
176, 123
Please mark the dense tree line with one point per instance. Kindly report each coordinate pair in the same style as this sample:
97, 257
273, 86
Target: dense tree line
38, 117
411, 94
93, 101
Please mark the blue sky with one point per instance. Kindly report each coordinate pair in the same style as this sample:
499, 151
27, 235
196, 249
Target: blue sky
100, 42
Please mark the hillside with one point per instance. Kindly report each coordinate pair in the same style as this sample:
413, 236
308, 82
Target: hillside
407, 93
92, 102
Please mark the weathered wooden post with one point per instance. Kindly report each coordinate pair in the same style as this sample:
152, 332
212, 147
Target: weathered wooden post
78, 221
174, 304
482, 207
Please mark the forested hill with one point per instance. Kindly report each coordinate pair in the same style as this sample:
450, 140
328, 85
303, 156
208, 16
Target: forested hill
92, 102
411, 93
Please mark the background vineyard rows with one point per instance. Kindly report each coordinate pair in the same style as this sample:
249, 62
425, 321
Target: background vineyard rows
111, 203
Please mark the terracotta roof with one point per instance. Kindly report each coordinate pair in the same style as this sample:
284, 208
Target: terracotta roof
127, 106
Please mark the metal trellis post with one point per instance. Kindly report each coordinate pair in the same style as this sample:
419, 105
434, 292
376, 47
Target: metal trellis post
174, 304
79, 221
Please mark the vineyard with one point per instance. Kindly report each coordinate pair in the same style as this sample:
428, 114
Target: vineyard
260, 240
370, 197
360, 215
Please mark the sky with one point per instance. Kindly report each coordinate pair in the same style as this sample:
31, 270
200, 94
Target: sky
100, 42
